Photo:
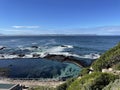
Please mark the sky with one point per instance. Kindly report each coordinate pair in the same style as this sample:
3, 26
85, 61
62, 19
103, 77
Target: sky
35, 17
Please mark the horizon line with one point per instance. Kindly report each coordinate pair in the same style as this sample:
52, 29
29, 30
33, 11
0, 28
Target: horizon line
61, 35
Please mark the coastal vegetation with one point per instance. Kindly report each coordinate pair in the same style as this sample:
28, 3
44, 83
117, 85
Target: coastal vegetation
94, 81
84, 71
108, 59
65, 85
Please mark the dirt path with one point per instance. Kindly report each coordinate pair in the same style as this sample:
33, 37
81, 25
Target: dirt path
110, 70
31, 83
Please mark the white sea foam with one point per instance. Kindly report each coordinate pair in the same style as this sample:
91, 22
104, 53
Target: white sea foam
42, 55
68, 46
28, 56
88, 56
62, 53
60, 50
56, 50
92, 56
28, 48
7, 56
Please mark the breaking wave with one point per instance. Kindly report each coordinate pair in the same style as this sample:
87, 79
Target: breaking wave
41, 52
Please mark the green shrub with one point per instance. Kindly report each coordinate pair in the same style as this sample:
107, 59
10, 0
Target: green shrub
84, 71
108, 59
65, 85
94, 81
62, 86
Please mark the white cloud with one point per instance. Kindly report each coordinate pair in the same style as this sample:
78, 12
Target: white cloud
29, 30
29, 27
111, 29
25, 32
114, 30
21, 32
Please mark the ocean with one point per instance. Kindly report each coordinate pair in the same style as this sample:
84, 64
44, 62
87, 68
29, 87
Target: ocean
86, 48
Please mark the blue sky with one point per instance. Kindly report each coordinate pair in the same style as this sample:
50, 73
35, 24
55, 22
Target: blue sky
21, 17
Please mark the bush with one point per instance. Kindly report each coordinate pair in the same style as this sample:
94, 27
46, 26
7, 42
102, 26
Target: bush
84, 71
108, 59
65, 85
94, 81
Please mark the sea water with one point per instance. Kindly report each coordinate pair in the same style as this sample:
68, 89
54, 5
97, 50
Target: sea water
86, 48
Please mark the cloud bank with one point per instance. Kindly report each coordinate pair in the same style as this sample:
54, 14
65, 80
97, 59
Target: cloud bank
35, 30
29, 27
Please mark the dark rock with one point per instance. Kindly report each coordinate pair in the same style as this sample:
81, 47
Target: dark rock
63, 58
2, 56
55, 57
13, 53
36, 55
34, 47
1, 48
63, 46
64, 78
21, 55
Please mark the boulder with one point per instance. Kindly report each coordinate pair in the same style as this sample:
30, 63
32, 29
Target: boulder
21, 55
2, 47
34, 47
36, 55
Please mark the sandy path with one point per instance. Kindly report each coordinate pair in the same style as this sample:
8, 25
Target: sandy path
31, 83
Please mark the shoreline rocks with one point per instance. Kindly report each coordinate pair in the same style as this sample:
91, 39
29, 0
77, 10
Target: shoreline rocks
2, 47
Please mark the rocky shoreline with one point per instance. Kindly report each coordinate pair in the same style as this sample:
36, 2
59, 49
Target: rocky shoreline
31, 54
